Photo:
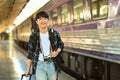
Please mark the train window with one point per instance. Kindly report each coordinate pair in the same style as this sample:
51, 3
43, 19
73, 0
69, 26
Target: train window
64, 14
50, 20
55, 18
50, 23
99, 9
78, 11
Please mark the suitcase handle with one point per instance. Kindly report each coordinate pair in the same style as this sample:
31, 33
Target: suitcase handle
24, 75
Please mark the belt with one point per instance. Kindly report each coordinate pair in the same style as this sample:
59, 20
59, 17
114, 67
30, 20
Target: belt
48, 59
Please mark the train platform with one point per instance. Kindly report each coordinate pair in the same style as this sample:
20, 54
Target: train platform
13, 62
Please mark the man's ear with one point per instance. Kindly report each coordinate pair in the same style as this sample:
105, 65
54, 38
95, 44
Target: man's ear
36, 21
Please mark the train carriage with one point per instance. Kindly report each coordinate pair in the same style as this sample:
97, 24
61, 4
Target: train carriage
90, 31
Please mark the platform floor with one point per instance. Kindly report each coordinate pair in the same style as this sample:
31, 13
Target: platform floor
13, 62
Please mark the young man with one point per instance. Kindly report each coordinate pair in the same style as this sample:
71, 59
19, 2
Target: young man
44, 46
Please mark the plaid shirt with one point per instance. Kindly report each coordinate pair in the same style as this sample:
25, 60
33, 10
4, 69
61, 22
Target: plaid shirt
34, 44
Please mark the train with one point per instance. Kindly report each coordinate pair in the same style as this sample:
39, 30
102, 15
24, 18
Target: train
90, 30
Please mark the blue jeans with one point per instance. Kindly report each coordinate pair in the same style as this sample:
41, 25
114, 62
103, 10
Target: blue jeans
45, 71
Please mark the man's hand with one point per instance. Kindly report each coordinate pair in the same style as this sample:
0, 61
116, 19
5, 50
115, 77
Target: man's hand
27, 73
55, 53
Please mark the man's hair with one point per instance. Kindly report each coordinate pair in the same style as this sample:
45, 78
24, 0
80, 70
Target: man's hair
42, 14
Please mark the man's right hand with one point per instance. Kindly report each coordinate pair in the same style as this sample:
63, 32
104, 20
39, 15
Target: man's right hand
27, 73
29, 63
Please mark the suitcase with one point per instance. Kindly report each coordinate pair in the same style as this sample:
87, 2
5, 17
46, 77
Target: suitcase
24, 75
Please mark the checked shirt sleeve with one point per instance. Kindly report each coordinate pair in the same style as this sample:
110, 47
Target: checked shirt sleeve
31, 47
60, 42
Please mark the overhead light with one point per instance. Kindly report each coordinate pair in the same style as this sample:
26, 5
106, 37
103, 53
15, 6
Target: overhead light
31, 7
10, 29
7, 31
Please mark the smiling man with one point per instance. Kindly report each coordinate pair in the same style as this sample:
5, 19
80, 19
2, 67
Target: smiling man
44, 46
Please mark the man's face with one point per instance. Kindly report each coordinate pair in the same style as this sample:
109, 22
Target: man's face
42, 22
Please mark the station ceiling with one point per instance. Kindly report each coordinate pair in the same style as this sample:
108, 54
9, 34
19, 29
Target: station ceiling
9, 10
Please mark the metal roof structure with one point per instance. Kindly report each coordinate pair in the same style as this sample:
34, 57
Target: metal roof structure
9, 10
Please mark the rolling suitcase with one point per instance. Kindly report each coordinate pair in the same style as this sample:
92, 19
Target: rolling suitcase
24, 75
